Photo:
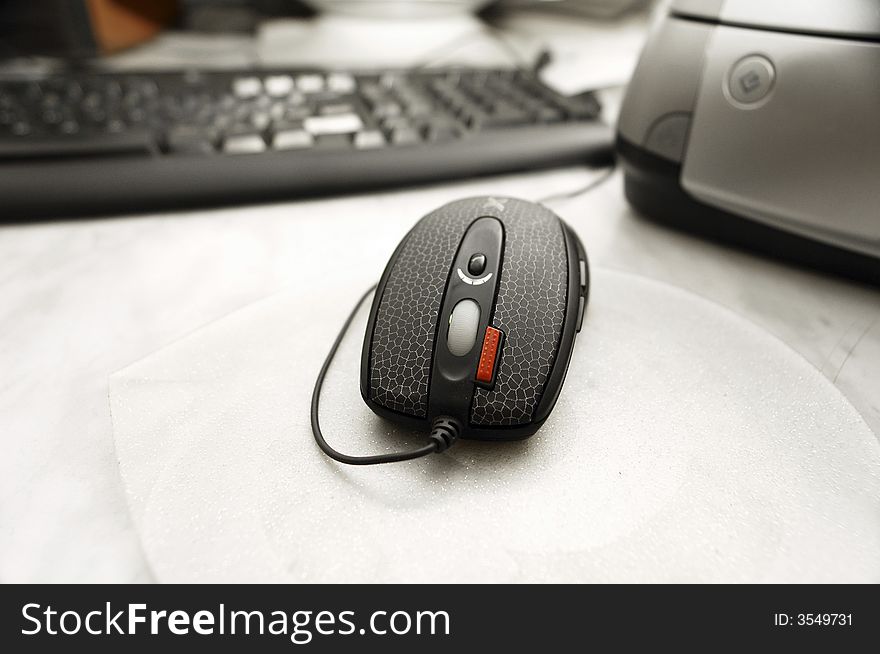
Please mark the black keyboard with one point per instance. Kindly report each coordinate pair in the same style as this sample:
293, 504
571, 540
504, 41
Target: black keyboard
97, 142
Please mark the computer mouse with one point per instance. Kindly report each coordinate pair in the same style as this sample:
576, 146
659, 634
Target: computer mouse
474, 319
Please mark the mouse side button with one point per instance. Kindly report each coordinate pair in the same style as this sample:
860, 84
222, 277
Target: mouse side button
580, 319
489, 355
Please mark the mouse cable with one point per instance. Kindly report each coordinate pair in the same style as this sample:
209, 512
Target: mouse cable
444, 430
597, 181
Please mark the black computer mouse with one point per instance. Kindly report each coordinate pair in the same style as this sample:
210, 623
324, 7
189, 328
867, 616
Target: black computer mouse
474, 319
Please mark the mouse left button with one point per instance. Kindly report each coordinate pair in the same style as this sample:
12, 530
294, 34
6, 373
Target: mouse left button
463, 324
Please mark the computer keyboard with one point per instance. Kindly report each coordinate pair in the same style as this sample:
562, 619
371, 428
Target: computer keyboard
95, 142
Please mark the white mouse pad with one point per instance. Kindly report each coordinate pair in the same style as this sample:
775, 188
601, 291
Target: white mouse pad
687, 445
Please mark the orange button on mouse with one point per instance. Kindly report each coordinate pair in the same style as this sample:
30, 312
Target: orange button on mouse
489, 355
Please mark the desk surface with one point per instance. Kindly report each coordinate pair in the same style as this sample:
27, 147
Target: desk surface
82, 299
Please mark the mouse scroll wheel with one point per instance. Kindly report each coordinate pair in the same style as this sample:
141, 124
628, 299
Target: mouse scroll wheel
477, 264
463, 323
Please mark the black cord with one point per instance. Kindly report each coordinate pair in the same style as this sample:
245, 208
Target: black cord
437, 54
444, 430
497, 37
515, 55
567, 195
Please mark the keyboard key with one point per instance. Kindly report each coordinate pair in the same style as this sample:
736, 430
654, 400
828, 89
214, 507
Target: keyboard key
295, 98
21, 128
395, 122
310, 83
505, 116
292, 139
418, 108
283, 125
33, 92
341, 83
92, 101
278, 86
369, 139
115, 126
69, 127
441, 131
260, 120
247, 87
113, 90
277, 110
190, 139
405, 136
52, 116
51, 100
244, 144
335, 108
149, 88
340, 124
296, 113
387, 109
73, 91
136, 115
333, 141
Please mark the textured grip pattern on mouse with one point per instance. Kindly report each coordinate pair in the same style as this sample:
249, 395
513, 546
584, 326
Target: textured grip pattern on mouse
530, 310
406, 320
